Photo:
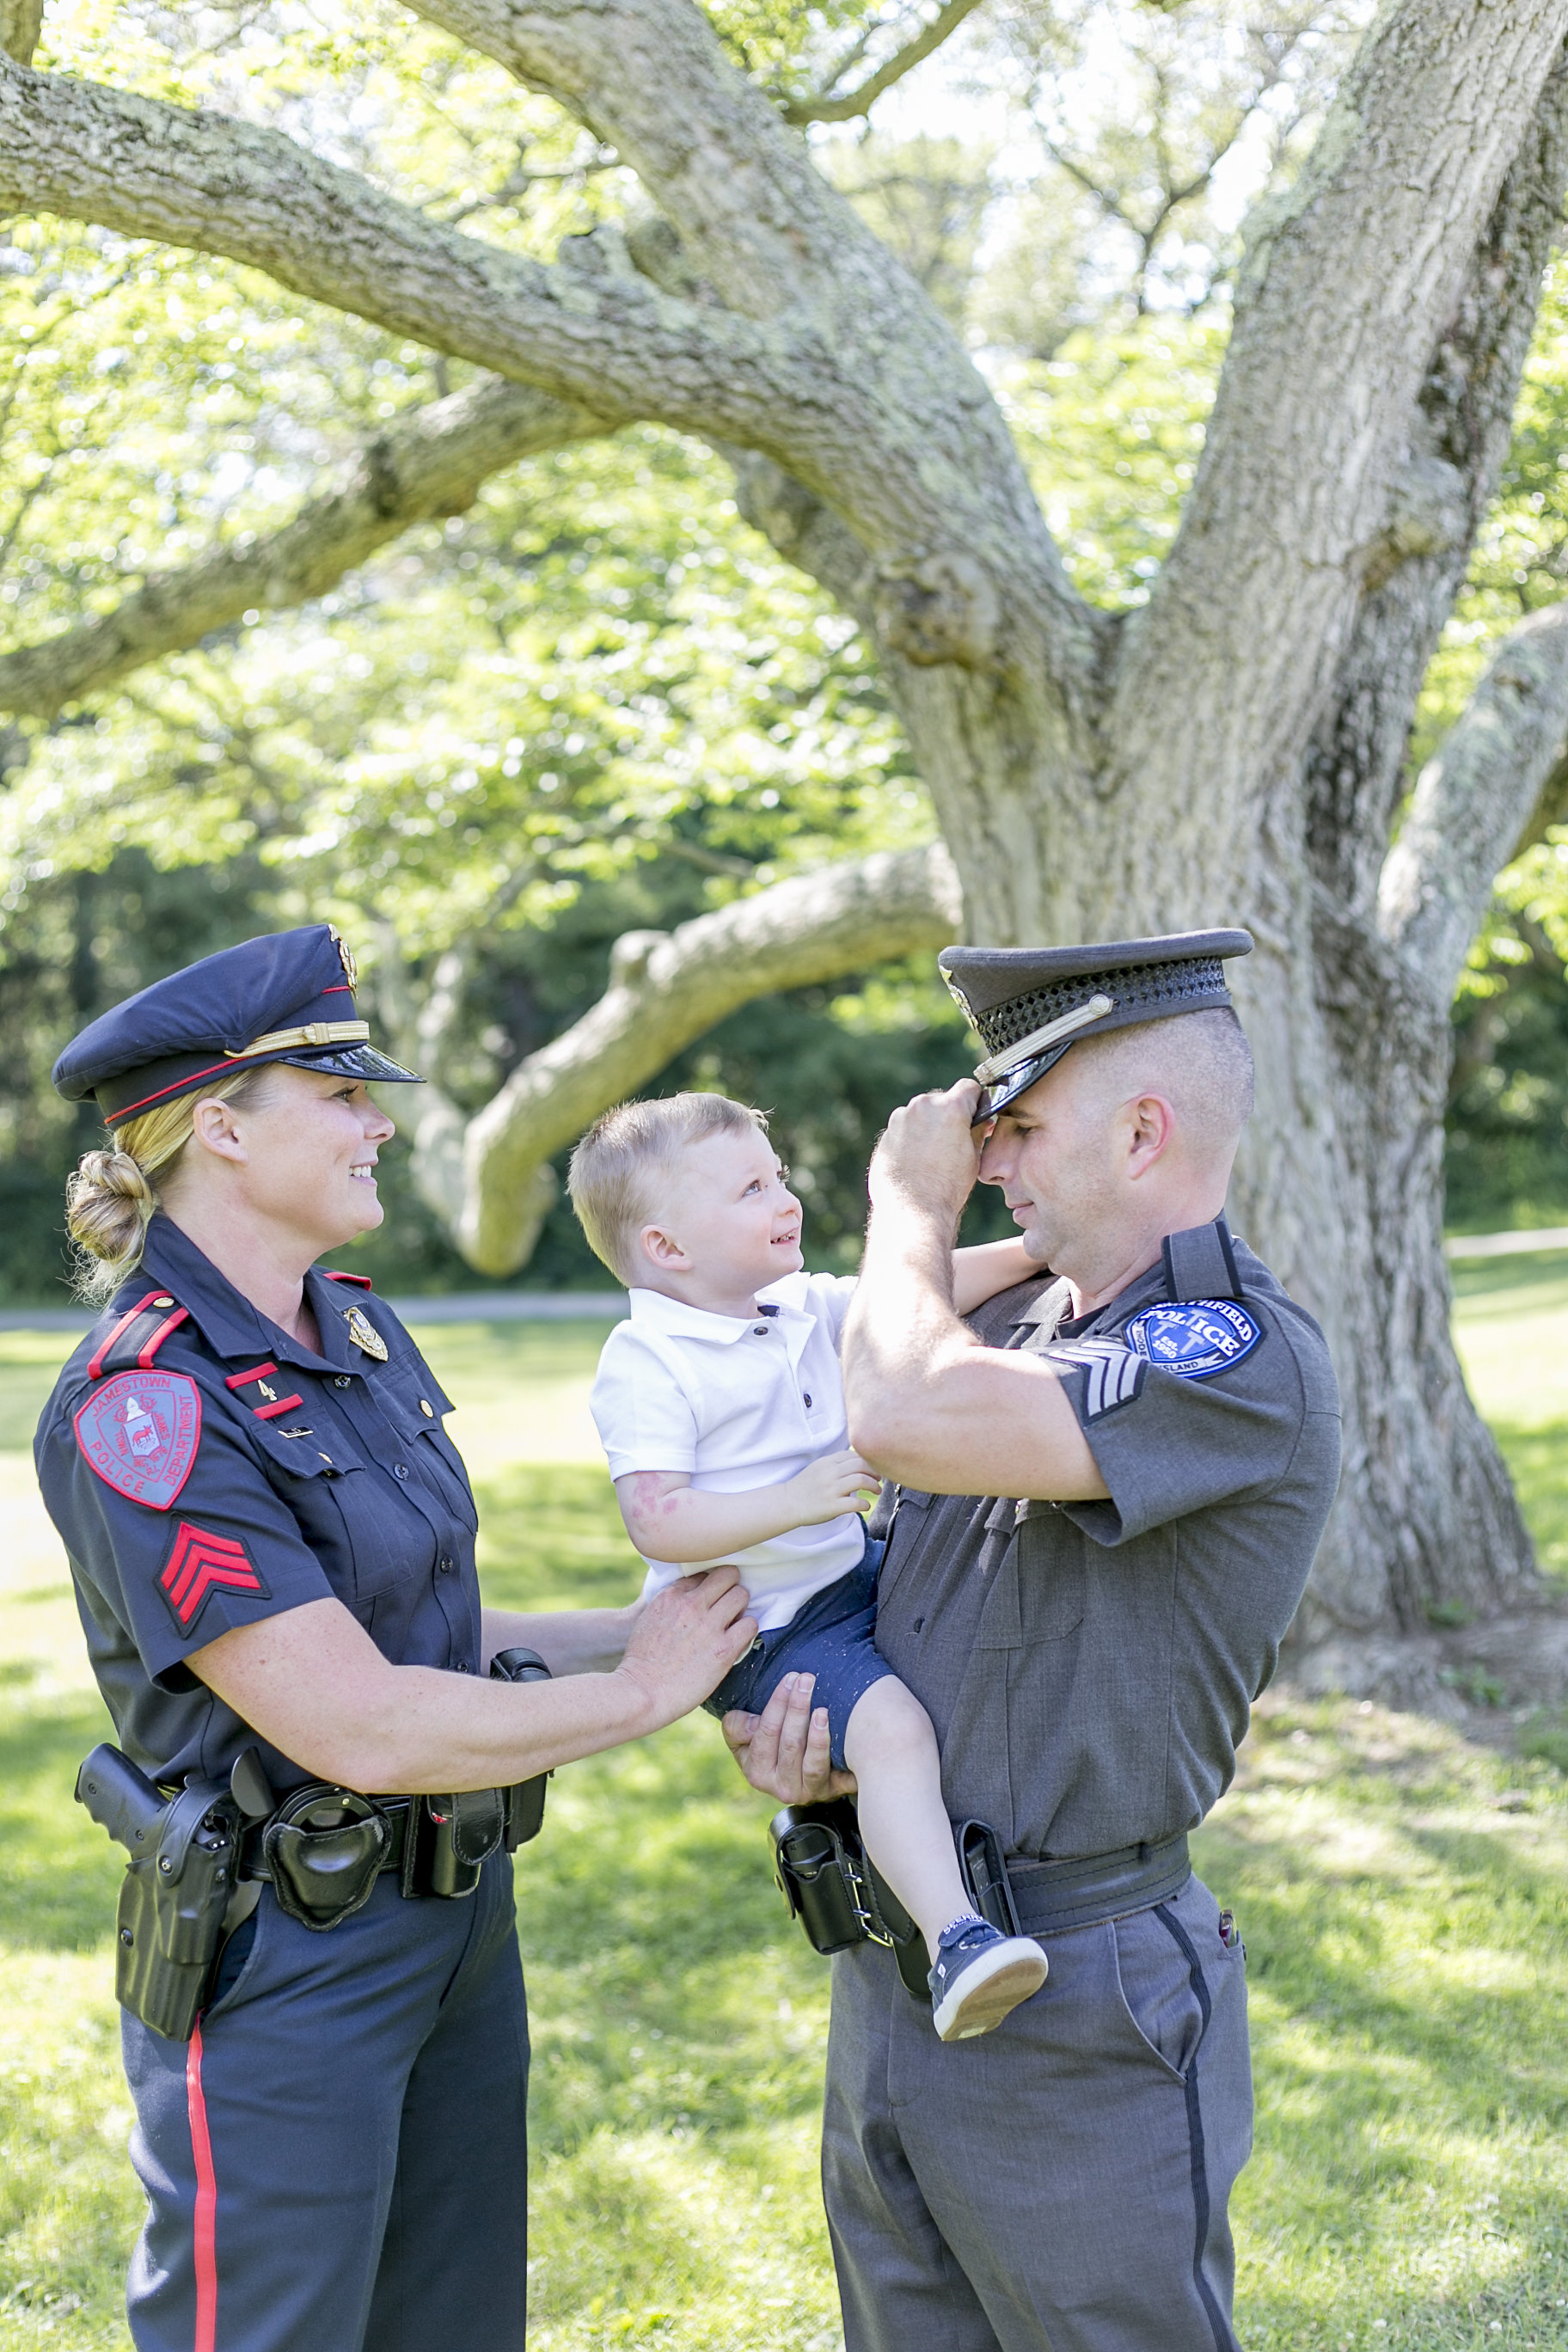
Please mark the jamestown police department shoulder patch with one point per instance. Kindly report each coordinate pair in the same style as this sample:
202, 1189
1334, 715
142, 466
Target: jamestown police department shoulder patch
1195, 1338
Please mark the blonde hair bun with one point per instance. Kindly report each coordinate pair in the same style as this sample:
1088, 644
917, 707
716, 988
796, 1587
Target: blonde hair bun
109, 1203
111, 1199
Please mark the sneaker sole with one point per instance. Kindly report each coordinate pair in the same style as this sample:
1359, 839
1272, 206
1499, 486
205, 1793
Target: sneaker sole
979, 2008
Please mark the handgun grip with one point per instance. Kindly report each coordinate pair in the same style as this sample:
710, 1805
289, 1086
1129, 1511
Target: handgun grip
119, 1798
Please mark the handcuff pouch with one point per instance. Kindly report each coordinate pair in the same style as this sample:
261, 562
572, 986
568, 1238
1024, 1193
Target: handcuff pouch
323, 1848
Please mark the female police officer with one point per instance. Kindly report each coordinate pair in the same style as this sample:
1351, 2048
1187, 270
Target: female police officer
273, 1547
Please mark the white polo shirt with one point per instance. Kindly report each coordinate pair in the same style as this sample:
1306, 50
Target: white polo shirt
737, 1405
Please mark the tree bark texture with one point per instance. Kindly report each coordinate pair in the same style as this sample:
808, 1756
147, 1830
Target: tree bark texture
1231, 750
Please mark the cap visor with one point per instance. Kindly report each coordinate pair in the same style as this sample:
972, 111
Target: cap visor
997, 1097
356, 1062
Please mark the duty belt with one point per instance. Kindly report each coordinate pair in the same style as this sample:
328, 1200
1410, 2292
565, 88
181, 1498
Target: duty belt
1050, 1895
833, 1887
324, 1847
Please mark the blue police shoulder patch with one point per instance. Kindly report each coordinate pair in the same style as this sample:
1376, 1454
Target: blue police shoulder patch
1195, 1339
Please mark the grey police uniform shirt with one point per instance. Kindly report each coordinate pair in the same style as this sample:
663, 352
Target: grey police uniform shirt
216, 1473
1089, 1667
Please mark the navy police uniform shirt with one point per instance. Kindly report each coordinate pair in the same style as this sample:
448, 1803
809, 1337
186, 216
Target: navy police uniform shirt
207, 1471
1090, 1667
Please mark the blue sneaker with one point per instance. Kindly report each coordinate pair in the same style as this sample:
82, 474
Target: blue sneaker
980, 1975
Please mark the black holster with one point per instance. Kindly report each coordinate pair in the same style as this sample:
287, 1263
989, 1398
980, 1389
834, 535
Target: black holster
833, 1887
170, 1919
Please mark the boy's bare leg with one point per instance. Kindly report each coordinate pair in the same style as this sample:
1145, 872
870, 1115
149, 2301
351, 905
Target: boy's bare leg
890, 1748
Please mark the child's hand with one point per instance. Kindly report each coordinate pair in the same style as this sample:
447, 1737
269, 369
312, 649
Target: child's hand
824, 1489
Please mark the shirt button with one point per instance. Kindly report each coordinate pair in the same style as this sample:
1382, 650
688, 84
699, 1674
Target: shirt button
341, 1381
400, 1470
444, 1566
808, 1404
760, 1329
426, 1408
461, 1667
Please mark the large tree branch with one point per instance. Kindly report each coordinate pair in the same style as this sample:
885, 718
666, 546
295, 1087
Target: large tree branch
605, 337
1475, 800
831, 105
922, 468
652, 79
431, 463
909, 449
665, 989
1351, 276
1355, 767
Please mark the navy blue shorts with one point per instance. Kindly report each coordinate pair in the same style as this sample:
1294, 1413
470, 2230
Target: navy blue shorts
831, 1636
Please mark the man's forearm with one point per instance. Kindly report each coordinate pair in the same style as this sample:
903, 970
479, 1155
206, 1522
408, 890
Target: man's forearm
903, 1324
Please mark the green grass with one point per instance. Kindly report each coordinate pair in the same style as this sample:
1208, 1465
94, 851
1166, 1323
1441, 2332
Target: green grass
1407, 1946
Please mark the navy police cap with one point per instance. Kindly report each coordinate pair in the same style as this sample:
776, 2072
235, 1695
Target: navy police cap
288, 997
1030, 1004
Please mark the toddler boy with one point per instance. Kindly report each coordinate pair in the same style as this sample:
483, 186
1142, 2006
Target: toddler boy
722, 1410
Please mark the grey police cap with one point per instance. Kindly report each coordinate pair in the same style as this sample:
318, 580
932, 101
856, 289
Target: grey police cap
1031, 1005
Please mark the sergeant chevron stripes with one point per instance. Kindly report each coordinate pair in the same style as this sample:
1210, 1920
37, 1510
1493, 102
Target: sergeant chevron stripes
1114, 1374
199, 1562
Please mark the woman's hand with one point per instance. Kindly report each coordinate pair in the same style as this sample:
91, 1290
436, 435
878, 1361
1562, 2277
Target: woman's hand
783, 1751
687, 1640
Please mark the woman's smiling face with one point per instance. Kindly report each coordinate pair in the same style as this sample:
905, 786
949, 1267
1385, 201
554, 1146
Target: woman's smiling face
307, 1144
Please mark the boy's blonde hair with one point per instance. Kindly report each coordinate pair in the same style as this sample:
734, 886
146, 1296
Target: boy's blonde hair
616, 1170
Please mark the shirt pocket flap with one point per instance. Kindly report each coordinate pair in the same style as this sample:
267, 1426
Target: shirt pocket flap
302, 1452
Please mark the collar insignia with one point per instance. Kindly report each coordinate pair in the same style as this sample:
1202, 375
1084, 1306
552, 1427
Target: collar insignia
365, 1335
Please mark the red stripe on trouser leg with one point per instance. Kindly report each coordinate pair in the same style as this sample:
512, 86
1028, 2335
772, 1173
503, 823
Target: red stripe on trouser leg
206, 2232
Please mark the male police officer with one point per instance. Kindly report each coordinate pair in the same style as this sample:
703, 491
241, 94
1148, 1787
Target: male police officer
1161, 1426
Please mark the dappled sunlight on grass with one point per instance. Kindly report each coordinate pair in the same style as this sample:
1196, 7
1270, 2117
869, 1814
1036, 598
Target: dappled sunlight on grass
1408, 1964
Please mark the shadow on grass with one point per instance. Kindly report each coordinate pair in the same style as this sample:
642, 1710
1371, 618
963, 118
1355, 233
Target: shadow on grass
1410, 2013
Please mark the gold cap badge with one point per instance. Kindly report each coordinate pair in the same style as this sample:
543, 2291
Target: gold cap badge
345, 956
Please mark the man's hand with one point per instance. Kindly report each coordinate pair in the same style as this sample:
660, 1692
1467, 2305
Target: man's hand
930, 1154
783, 1751
687, 1640
825, 1489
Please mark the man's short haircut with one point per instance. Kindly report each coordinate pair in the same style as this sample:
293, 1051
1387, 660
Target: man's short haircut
617, 1170
1201, 1061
